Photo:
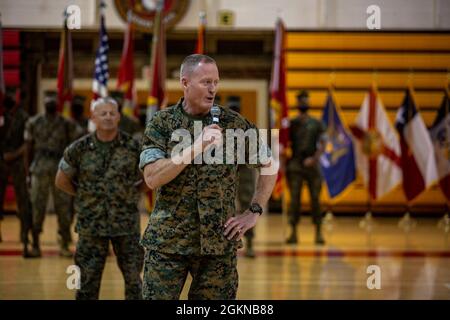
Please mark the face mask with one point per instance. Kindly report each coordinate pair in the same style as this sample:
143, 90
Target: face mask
50, 108
9, 103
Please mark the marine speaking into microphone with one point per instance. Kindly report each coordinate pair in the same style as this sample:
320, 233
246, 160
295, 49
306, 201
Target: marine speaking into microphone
194, 226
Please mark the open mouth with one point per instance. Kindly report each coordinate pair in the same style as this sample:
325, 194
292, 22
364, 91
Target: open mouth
210, 99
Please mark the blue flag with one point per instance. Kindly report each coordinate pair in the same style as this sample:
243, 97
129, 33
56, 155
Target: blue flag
338, 160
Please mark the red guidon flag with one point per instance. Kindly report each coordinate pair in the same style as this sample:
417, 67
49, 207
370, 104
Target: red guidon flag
278, 102
2, 79
200, 48
157, 95
65, 72
377, 147
125, 78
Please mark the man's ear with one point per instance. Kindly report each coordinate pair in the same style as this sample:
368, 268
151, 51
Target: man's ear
184, 82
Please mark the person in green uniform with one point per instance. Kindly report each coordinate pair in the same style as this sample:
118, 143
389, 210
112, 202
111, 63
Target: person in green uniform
307, 142
12, 150
127, 124
46, 136
194, 227
101, 171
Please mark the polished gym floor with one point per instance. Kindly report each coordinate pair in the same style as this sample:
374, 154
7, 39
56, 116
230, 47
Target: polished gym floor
411, 261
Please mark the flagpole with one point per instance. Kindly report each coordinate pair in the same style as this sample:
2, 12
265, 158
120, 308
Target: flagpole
331, 86
152, 107
2, 78
447, 129
408, 117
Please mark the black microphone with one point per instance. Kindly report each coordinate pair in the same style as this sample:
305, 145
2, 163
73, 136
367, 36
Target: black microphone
215, 113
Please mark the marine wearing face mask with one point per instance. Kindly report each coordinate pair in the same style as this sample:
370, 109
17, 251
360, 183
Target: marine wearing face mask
46, 136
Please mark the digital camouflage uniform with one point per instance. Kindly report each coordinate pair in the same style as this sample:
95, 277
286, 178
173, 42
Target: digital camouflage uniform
246, 190
305, 136
106, 178
185, 230
129, 126
49, 136
11, 139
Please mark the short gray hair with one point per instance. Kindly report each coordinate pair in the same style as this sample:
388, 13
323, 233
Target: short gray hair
103, 101
192, 61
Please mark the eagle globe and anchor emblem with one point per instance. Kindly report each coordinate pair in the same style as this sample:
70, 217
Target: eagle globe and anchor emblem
142, 12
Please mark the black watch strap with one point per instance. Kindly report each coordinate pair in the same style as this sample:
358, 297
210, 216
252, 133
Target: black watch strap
256, 208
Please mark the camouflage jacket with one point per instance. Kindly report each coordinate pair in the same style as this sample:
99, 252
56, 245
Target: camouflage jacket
129, 126
106, 177
49, 136
304, 136
246, 187
11, 134
190, 210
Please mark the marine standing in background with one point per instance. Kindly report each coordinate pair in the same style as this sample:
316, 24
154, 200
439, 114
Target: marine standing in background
101, 171
127, 124
307, 140
46, 136
12, 150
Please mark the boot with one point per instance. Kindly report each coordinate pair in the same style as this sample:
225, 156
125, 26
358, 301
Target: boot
249, 250
319, 238
293, 237
36, 250
64, 250
26, 253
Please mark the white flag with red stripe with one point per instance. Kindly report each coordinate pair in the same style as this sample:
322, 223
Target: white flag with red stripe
377, 147
417, 153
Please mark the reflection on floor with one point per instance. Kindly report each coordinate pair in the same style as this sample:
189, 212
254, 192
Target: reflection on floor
412, 265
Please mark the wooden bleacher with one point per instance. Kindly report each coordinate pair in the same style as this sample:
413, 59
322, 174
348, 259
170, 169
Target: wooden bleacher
352, 61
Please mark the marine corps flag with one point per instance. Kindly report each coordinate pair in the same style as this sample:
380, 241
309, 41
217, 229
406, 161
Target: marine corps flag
125, 78
377, 147
65, 71
440, 137
278, 101
157, 95
338, 160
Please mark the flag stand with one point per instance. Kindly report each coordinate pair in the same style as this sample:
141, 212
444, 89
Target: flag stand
407, 224
444, 224
368, 223
328, 222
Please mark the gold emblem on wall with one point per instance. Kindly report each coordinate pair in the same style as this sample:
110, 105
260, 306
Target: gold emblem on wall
142, 12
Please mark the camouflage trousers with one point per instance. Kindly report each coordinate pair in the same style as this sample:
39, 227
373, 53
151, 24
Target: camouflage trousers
90, 257
41, 185
313, 179
213, 277
24, 212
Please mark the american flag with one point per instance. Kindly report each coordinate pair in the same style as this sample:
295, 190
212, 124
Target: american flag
101, 74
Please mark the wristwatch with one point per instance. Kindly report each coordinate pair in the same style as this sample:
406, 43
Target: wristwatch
256, 208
